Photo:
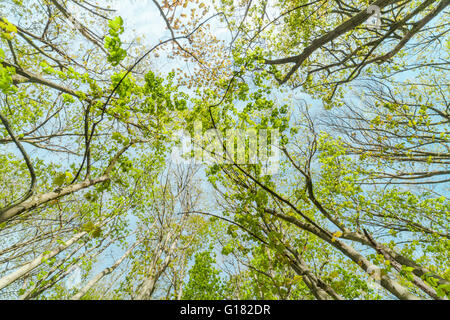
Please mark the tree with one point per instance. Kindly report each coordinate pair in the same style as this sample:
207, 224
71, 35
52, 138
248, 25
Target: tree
319, 191
60, 101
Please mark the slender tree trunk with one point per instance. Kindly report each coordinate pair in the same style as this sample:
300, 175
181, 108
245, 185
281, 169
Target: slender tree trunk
40, 199
149, 285
31, 292
317, 292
